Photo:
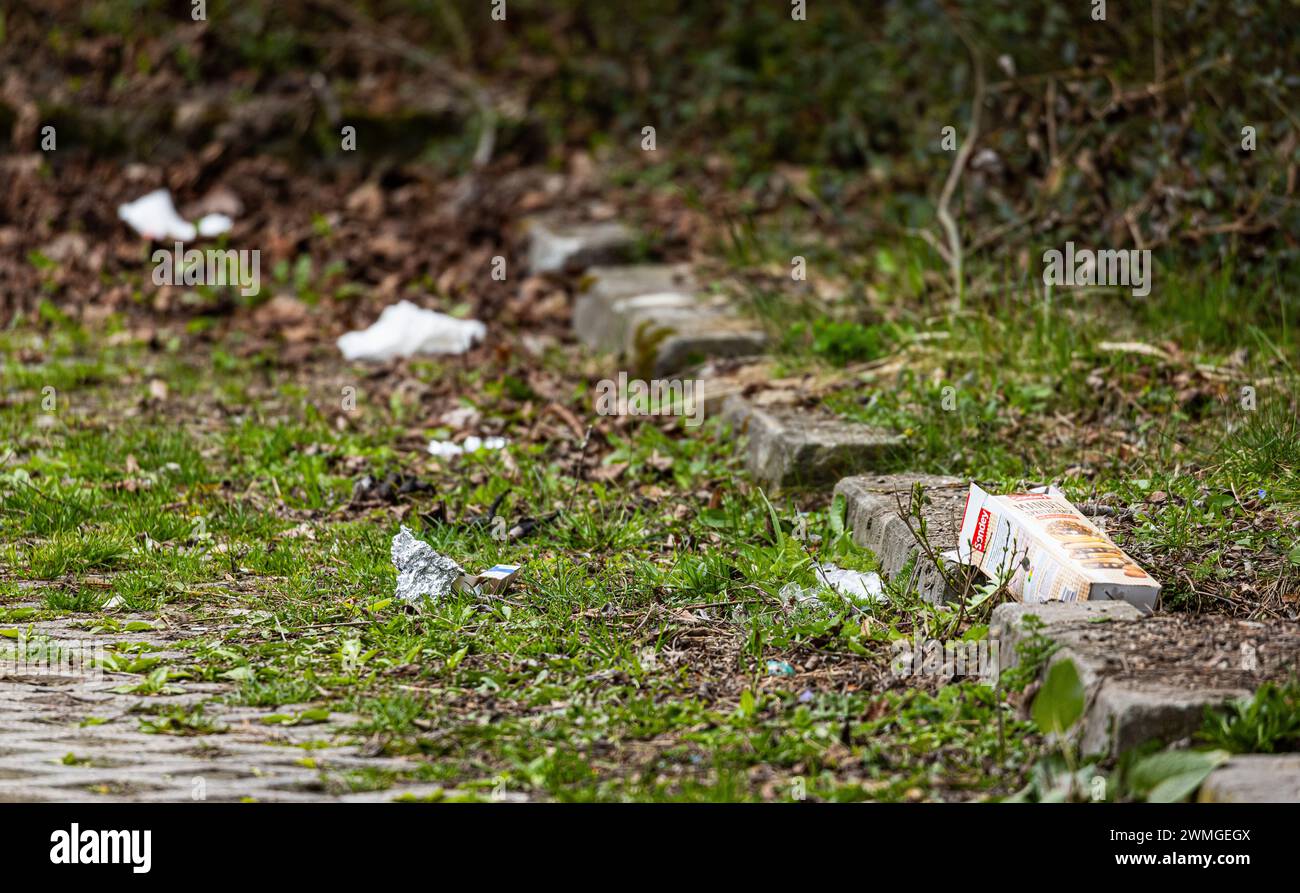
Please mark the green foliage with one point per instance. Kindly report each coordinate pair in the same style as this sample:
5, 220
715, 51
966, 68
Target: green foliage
1172, 775
1059, 702
81, 601
1265, 449
841, 343
182, 720
1142, 774
1268, 722
1032, 653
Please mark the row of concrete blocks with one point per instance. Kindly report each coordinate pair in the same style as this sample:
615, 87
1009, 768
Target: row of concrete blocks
656, 319
1121, 714
652, 315
885, 517
909, 521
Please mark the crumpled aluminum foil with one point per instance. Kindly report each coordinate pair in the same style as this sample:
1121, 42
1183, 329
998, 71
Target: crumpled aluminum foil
420, 570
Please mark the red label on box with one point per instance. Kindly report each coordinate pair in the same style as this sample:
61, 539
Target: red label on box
981, 538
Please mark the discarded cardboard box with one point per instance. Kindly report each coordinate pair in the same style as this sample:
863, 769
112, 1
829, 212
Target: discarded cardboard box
1047, 550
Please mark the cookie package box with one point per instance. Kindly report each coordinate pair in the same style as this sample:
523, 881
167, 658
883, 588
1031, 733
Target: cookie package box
1047, 550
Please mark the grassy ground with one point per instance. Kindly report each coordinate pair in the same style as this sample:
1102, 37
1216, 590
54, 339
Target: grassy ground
632, 660
646, 651
162, 455
1177, 411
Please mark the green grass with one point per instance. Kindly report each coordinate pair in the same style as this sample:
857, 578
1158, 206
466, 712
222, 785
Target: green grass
75, 553
1180, 410
629, 661
82, 602
604, 674
1268, 722
597, 678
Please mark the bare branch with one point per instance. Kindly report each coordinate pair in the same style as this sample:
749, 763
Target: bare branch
942, 211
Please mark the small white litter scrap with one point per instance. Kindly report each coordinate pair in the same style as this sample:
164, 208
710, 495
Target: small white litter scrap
860, 588
403, 329
496, 578
211, 225
445, 449
550, 252
154, 216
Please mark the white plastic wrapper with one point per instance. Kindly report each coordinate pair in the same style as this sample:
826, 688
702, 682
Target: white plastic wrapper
403, 330
420, 570
793, 594
860, 588
863, 588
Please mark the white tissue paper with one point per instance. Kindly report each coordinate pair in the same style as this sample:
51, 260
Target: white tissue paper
154, 217
861, 588
403, 329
